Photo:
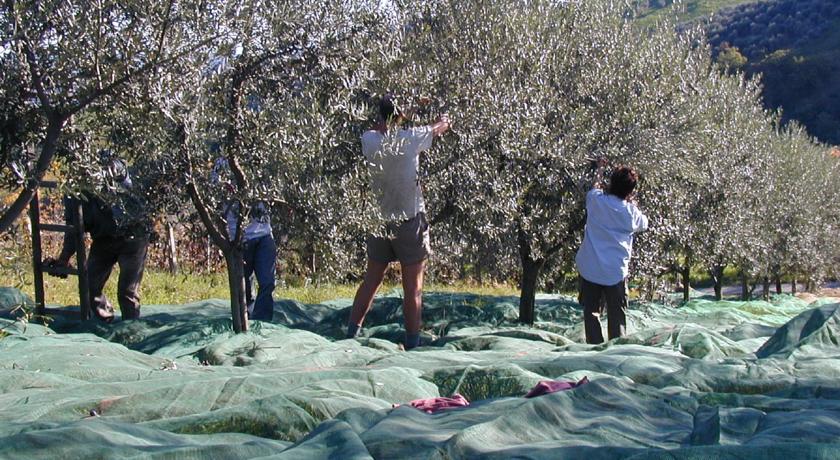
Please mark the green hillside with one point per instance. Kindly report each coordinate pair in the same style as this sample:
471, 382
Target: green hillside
650, 11
805, 82
793, 44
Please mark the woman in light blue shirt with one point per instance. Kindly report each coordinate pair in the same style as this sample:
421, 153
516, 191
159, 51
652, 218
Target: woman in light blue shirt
603, 259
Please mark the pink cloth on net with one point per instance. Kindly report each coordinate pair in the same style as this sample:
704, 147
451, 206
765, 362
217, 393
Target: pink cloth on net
432, 405
552, 386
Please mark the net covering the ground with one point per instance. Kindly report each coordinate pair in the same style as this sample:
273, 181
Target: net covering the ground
705, 379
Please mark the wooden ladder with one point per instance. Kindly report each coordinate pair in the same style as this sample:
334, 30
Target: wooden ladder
39, 269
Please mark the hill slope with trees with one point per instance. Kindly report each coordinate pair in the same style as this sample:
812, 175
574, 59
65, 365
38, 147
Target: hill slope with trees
793, 44
656, 10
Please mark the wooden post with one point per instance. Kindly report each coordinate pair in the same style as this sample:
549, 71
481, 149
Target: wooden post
81, 261
37, 264
745, 288
172, 254
209, 247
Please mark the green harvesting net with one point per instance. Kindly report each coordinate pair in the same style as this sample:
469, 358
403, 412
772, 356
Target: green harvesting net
707, 379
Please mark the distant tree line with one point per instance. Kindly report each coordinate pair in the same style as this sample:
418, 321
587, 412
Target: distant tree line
789, 43
758, 29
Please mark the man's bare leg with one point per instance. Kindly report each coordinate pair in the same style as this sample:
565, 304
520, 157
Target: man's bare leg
412, 279
364, 295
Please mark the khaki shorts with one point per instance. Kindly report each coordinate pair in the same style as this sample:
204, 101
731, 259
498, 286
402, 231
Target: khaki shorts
406, 241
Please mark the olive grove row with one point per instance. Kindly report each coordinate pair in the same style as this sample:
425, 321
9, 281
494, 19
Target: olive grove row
535, 90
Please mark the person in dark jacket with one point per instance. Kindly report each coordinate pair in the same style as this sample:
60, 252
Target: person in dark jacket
120, 232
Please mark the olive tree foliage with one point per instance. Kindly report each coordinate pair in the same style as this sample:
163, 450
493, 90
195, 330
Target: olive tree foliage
280, 94
537, 91
830, 216
725, 180
60, 58
801, 213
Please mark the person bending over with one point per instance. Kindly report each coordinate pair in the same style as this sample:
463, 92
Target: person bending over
120, 230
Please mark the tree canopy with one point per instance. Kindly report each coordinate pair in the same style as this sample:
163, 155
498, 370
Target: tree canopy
536, 92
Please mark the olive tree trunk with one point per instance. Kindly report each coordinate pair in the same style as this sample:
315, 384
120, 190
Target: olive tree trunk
48, 148
531, 268
717, 277
236, 283
530, 276
765, 291
686, 278
232, 251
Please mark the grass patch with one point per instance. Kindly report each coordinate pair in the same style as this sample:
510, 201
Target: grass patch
164, 288
157, 288
700, 276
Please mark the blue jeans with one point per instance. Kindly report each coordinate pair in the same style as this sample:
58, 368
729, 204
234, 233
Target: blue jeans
259, 257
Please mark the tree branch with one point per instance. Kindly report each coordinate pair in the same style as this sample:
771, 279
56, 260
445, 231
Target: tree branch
111, 87
37, 77
212, 225
11, 213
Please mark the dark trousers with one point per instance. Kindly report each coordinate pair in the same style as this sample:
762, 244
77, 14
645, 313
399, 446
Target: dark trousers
130, 254
259, 257
592, 297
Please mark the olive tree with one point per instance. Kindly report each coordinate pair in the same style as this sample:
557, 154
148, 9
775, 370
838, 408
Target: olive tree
279, 94
729, 177
61, 58
801, 211
536, 92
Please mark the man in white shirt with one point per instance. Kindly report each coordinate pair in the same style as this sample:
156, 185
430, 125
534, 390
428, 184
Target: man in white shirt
393, 155
603, 259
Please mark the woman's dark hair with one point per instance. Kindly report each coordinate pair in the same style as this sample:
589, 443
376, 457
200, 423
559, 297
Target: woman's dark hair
622, 182
387, 109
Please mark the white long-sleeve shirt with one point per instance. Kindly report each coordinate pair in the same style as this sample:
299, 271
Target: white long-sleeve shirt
604, 256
